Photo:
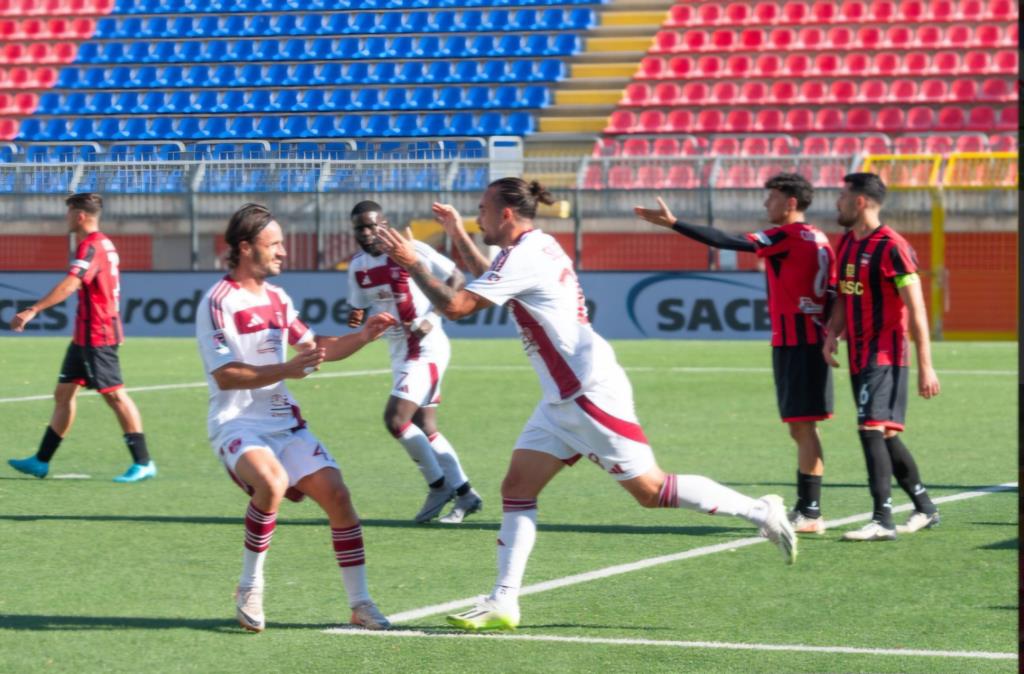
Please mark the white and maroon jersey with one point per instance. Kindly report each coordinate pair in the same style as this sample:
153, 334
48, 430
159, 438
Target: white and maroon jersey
235, 326
535, 277
378, 284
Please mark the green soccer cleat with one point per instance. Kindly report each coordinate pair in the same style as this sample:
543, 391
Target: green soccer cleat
487, 615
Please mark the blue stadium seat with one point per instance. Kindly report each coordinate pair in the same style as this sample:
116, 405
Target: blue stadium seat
519, 124
323, 126
503, 98
357, 73
372, 48
349, 126
581, 19
285, 100
330, 73
476, 98
366, 99
173, 76
55, 129
470, 21
142, 52
395, 98
212, 127
242, 50
267, 50
257, 25
206, 102
70, 77
549, 71
496, 71
383, 72
489, 124
74, 104
465, 71
182, 27
428, 46
150, 103
207, 26
422, 98
389, 24
143, 76
134, 129
82, 129
153, 27
509, 45
362, 23
313, 24
411, 72
341, 100
336, 24
376, 125
257, 101
223, 76
106, 28
49, 104
269, 127
231, 26
534, 96
295, 126
420, 22
404, 125
162, 128
565, 44
454, 47
181, 102
125, 103
30, 129
188, 128
277, 75
527, 19
496, 20
231, 101
448, 98
251, 75
216, 51
312, 101
190, 51
304, 75
483, 46
88, 52
294, 50
460, 124
346, 48
400, 47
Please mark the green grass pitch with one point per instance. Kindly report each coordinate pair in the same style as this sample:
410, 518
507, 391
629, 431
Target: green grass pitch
96, 576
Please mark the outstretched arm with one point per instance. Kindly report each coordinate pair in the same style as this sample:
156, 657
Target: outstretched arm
452, 303
343, 346
60, 292
716, 238
238, 375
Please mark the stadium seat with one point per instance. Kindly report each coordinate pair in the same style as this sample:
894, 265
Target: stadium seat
741, 120
1005, 62
666, 94
831, 175
846, 145
971, 143
666, 147
859, 119
797, 65
1002, 143
959, 36
709, 66
724, 93
799, 120
651, 68
795, 12
899, 37
667, 41
634, 147
826, 64
823, 11
681, 15
681, 176
952, 118
856, 64
695, 146
946, 63
737, 13
620, 177
915, 63
902, 91
768, 65
961, 90
843, 91
650, 121
886, 64
928, 37
829, 120
620, 121
753, 92
636, 94
909, 145
725, 146
938, 144
709, 120
739, 66
694, 93
920, 119
816, 145
756, 146
892, 118
870, 37
977, 62
995, 89
680, 120
1009, 117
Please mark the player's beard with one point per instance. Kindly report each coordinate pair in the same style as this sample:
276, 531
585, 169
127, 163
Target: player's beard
845, 221
265, 265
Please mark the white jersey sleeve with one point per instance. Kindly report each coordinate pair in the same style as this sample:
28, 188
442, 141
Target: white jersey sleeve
509, 275
438, 265
298, 332
356, 295
217, 345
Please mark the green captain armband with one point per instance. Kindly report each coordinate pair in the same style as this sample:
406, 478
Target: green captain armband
904, 280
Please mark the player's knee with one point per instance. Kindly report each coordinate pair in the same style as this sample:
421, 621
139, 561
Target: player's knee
802, 431
272, 481
647, 498
395, 423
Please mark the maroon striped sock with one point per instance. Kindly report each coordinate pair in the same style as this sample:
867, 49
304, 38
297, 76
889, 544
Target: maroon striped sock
669, 495
348, 546
259, 528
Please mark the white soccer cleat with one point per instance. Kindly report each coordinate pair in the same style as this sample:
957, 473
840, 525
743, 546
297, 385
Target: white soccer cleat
487, 615
917, 521
368, 616
249, 608
872, 531
802, 524
467, 504
436, 498
777, 528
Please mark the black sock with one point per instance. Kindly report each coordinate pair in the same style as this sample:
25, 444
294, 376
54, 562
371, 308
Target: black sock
437, 484
808, 489
463, 488
904, 468
137, 446
48, 446
879, 463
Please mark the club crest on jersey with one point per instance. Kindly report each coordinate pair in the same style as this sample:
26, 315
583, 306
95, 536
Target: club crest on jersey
220, 343
234, 446
865, 259
850, 270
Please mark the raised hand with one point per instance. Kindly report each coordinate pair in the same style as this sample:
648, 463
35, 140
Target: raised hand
396, 246
306, 361
447, 216
662, 216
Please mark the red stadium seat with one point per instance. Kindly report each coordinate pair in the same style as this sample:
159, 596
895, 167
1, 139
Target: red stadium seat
8, 128
605, 147
620, 177
680, 120
920, 118
752, 39
6, 104
824, 11
649, 176
882, 11
988, 36
938, 144
739, 121
970, 143
25, 104
943, 10
928, 37
813, 91
725, 146
977, 62
64, 52
876, 145
831, 175
797, 65
694, 93
634, 147
766, 14
908, 145
857, 64
1011, 35
945, 63
768, 65
829, 120
754, 92
937, 91
902, 91
680, 15
1009, 117
620, 121
737, 13
891, 119
782, 39
13, 52
709, 120
680, 67
795, 12
859, 119
724, 93
971, 10
682, 176
723, 40
913, 11
951, 119
738, 65
959, 36
1006, 62
709, 66
839, 38
853, 11
650, 121
869, 37
667, 41
695, 146
844, 145
739, 176
915, 63
886, 63
709, 14
816, 145
666, 94
693, 40
961, 90
799, 120
826, 64
636, 94
995, 89
666, 147
872, 91
783, 92
814, 38
1001, 142
784, 145
651, 68
757, 146
1002, 10
770, 120
843, 91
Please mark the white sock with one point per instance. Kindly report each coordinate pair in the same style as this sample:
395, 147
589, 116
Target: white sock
697, 492
421, 452
354, 578
252, 568
515, 542
448, 460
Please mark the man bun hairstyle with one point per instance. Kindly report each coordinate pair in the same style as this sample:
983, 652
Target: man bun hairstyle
245, 225
793, 185
868, 185
521, 196
365, 207
87, 202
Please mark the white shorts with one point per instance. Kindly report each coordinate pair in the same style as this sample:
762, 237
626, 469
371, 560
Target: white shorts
299, 452
418, 381
598, 425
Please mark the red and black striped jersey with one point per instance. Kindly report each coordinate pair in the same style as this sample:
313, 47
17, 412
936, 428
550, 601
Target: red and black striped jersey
800, 267
876, 318
98, 318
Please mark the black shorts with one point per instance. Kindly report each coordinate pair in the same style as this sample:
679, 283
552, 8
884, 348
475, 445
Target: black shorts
94, 367
803, 382
880, 393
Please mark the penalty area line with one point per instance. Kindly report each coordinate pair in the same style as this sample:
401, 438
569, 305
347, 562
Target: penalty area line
714, 645
619, 569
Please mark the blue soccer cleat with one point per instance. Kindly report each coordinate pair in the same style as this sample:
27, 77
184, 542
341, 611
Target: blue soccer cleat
137, 473
30, 466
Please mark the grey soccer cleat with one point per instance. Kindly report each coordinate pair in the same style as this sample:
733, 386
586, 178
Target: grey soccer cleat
917, 521
436, 498
249, 608
368, 616
872, 531
777, 529
467, 504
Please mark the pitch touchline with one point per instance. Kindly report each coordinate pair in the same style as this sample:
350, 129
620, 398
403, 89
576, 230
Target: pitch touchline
524, 368
682, 644
416, 614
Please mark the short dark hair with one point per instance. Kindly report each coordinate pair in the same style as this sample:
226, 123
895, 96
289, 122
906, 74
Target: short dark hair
365, 207
521, 196
245, 225
867, 184
87, 202
793, 185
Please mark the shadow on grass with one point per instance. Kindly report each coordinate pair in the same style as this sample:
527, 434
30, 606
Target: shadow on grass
864, 485
71, 623
1008, 544
394, 524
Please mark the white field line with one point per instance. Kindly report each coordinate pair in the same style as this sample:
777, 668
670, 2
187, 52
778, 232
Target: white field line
717, 645
489, 368
416, 614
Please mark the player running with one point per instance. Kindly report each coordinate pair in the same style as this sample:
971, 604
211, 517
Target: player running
91, 359
255, 427
878, 285
587, 405
800, 267
419, 356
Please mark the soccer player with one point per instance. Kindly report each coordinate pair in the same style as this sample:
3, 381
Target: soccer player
91, 359
879, 290
587, 404
419, 355
243, 325
800, 267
